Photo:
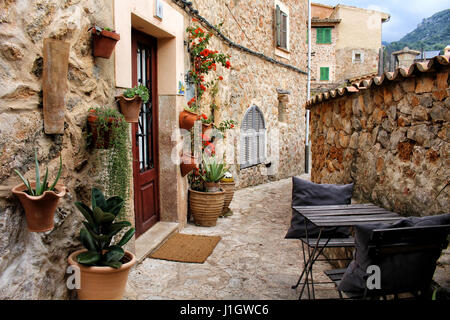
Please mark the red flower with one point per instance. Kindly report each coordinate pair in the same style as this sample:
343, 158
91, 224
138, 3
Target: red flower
220, 78
204, 116
227, 65
194, 20
202, 87
232, 126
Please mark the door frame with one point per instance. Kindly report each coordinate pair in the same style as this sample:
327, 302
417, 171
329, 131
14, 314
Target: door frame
137, 36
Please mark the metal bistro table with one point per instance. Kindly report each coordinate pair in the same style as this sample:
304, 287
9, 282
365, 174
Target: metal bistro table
336, 216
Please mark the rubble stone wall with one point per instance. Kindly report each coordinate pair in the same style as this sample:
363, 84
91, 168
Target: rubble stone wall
392, 140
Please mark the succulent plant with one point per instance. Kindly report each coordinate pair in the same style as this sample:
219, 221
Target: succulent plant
212, 170
41, 187
99, 230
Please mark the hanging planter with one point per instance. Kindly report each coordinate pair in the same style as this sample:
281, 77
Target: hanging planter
187, 119
104, 41
131, 100
206, 127
103, 125
39, 200
187, 164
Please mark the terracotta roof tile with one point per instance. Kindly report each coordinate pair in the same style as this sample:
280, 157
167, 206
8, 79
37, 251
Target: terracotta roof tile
398, 74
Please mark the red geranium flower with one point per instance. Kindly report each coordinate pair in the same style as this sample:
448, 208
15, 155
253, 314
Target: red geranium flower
232, 126
204, 116
220, 78
227, 65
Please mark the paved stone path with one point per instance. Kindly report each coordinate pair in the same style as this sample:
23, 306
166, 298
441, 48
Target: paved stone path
252, 261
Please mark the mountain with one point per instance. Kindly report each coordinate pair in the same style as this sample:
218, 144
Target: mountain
432, 33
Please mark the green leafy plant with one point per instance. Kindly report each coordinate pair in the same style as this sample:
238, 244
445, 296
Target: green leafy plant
140, 90
212, 170
40, 187
99, 230
117, 158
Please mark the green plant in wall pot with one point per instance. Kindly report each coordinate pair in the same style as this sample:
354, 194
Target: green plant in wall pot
130, 102
104, 264
39, 199
110, 131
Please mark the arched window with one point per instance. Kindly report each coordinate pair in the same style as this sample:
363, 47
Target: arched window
253, 138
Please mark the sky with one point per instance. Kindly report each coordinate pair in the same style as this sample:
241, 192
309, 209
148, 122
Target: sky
405, 14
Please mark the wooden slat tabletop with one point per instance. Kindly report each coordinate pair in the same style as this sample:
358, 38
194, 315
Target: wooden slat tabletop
346, 215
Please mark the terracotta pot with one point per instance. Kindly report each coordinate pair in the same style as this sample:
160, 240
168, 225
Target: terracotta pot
100, 137
187, 119
229, 188
206, 127
39, 210
102, 283
212, 186
187, 164
130, 108
104, 43
206, 207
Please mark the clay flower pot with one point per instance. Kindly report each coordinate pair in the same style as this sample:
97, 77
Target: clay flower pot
102, 283
187, 164
104, 43
100, 137
187, 119
212, 186
130, 107
39, 210
206, 207
229, 188
206, 127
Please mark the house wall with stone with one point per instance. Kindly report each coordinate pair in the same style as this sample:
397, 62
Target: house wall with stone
32, 265
254, 81
390, 136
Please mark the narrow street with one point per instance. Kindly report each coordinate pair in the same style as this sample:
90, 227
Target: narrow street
252, 261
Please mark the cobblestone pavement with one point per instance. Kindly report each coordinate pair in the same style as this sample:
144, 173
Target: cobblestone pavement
252, 261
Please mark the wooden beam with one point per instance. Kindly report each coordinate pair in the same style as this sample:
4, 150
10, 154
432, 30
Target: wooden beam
54, 84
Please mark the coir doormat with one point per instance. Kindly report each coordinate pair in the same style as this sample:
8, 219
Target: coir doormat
187, 248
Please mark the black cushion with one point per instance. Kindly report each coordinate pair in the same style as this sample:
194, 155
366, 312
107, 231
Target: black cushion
398, 270
307, 193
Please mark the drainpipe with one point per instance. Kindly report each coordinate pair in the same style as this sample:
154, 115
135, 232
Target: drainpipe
308, 93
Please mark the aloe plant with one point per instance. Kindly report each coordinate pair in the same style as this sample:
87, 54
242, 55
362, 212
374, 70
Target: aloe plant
40, 187
212, 171
100, 228
140, 91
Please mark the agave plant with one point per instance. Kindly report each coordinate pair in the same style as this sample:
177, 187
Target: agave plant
40, 187
212, 171
100, 228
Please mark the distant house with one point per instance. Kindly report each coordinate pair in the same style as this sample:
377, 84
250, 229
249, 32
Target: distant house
427, 55
346, 42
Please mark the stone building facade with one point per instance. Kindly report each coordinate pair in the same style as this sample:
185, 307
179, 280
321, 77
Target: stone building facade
32, 265
390, 136
353, 48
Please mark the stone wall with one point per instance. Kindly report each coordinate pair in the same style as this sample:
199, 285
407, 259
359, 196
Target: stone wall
391, 137
32, 265
347, 68
254, 81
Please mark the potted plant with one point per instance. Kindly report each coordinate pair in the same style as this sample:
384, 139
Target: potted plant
206, 206
38, 199
104, 41
187, 164
130, 102
228, 185
206, 123
104, 264
104, 125
188, 116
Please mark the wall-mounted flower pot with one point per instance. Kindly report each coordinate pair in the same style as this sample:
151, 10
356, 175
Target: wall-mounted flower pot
206, 207
187, 164
101, 137
187, 119
104, 42
130, 107
102, 283
39, 210
206, 127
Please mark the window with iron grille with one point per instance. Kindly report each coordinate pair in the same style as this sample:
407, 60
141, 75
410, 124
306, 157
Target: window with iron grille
253, 138
282, 28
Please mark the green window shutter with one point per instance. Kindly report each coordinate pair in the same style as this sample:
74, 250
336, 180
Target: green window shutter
324, 73
307, 35
327, 35
319, 35
278, 25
